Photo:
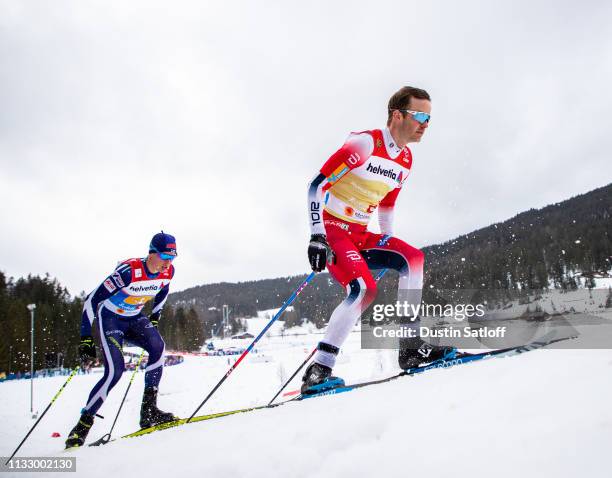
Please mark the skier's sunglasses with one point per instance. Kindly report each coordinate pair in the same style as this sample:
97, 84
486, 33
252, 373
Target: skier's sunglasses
419, 116
166, 257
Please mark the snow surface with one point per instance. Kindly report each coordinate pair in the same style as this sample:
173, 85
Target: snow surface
544, 413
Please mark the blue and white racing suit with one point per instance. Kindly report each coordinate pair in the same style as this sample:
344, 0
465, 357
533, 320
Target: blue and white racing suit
117, 305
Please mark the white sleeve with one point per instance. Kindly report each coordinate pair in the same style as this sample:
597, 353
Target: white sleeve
385, 220
315, 204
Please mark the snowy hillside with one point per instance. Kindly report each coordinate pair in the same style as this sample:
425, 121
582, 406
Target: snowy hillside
546, 411
557, 302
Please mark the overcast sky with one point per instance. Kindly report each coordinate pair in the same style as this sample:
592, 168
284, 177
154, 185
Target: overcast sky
208, 119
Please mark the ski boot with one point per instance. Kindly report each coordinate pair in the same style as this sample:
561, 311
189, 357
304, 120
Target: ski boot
318, 378
150, 415
415, 352
77, 435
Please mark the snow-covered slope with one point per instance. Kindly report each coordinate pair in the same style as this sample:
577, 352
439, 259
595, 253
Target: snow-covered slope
556, 301
545, 413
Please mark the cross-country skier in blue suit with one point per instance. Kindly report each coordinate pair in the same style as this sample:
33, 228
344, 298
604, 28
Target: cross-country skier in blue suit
116, 305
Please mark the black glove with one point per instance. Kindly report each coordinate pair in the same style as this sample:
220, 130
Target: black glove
154, 319
87, 350
319, 252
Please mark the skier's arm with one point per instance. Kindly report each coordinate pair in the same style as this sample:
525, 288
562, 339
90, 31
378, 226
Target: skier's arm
354, 152
121, 277
315, 201
385, 212
158, 303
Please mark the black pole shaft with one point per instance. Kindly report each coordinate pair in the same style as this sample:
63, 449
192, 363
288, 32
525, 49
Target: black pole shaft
126, 391
74, 371
26, 437
210, 394
293, 376
287, 303
106, 438
377, 278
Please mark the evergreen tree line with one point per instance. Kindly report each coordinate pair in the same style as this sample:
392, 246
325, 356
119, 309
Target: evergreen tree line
535, 250
56, 324
184, 329
57, 320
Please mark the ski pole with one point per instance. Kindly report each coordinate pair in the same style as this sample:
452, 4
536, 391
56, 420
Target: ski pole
106, 438
72, 374
383, 241
287, 303
380, 274
293, 376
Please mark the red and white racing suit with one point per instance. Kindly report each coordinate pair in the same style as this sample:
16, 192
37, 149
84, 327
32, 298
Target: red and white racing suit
366, 173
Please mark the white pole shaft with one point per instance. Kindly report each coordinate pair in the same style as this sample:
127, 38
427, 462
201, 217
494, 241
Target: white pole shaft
32, 363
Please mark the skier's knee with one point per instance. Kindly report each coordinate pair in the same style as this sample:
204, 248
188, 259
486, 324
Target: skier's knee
371, 288
363, 289
370, 294
156, 350
118, 371
416, 258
